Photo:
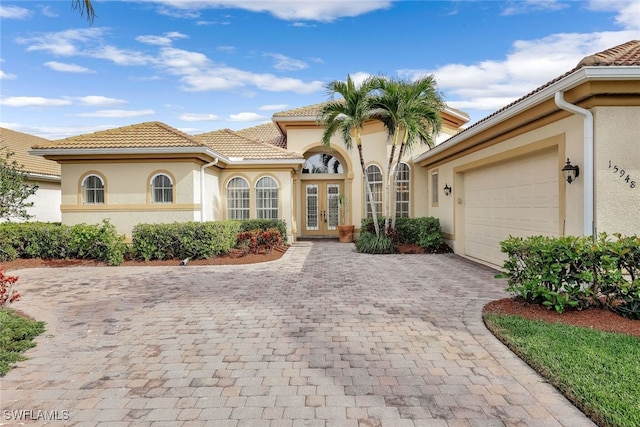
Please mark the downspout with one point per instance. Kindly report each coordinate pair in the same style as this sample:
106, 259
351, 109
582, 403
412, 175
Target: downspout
588, 226
202, 168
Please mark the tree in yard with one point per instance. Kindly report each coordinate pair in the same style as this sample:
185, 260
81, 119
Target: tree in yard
410, 111
14, 189
348, 117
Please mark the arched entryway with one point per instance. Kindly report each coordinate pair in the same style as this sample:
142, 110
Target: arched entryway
325, 191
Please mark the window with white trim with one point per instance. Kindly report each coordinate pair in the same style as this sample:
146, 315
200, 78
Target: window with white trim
237, 199
403, 177
266, 198
434, 188
374, 175
161, 189
93, 190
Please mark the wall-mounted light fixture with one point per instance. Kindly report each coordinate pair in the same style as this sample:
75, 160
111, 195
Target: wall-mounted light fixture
447, 189
570, 172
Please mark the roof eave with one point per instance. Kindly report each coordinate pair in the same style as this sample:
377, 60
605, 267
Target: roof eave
570, 81
126, 151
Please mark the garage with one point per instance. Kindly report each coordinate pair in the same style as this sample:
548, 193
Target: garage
517, 197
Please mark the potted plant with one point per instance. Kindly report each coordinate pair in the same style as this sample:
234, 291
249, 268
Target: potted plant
345, 231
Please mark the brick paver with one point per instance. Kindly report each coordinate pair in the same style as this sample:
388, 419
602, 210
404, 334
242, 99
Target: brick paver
322, 337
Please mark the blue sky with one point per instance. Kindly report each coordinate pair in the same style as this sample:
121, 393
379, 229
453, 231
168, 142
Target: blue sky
206, 65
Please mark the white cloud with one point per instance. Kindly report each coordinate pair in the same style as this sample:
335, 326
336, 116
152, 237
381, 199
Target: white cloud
196, 117
274, 107
288, 10
33, 101
67, 68
117, 113
528, 6
14, 12
246, 117
165, 40
490, 85
83, 42
48, 12
6, 76
198, 73
284, 63
97, 100
628, 11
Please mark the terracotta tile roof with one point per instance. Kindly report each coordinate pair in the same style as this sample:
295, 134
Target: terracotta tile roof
268, 132
311, 111
626, 54
233, 144
20, 143
142, 135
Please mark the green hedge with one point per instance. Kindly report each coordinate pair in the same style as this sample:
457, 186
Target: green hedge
179, 240
55, 241
576, 272
423, 231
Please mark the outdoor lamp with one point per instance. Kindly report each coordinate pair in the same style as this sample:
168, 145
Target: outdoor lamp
570, 171
447, 189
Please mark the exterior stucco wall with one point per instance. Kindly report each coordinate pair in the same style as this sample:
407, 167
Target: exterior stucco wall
46, 202
376, 150
566, 135
617, 164
285, 183
127, 194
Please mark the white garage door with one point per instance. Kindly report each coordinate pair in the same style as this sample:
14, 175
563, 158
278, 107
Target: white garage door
518, 198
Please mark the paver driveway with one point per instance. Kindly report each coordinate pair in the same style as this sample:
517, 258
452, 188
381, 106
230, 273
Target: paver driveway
322, 337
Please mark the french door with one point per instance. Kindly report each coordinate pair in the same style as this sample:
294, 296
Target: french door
321, 209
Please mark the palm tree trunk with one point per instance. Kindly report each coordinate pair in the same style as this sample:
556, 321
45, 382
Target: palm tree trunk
374, 215
395, 181
388, 187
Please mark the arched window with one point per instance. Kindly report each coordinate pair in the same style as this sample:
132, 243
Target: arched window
375, 181
322, 163
266, 198
161, 189
93, 190
402, 190
237, 199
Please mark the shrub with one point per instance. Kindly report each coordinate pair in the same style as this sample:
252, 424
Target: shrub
369, 243
575, 272
8, 295
423, 231
253, 240
265, 224
195, 240
56, 241
16, 336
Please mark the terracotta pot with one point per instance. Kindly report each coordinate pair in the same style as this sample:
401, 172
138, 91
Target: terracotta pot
345, 233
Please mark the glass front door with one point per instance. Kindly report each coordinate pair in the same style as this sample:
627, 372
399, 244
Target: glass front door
321, 208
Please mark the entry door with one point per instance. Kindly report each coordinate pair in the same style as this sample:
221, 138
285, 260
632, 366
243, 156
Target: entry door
321, 208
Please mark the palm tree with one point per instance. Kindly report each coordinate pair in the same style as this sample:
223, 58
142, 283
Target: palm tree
410, 111
84, 6
348, 116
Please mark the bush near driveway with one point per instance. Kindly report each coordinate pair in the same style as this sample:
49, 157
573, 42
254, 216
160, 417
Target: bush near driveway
423, 231
575, 272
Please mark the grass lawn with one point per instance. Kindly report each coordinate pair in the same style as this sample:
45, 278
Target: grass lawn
16, 336
598, 371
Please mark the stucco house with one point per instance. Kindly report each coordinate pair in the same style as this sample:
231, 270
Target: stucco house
44, 173
501, 176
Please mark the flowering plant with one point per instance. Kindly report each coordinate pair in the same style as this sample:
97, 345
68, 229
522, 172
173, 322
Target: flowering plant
7, 294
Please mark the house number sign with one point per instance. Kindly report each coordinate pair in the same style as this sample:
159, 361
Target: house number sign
624, 176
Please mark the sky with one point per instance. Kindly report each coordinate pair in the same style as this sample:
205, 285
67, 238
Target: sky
205, 65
